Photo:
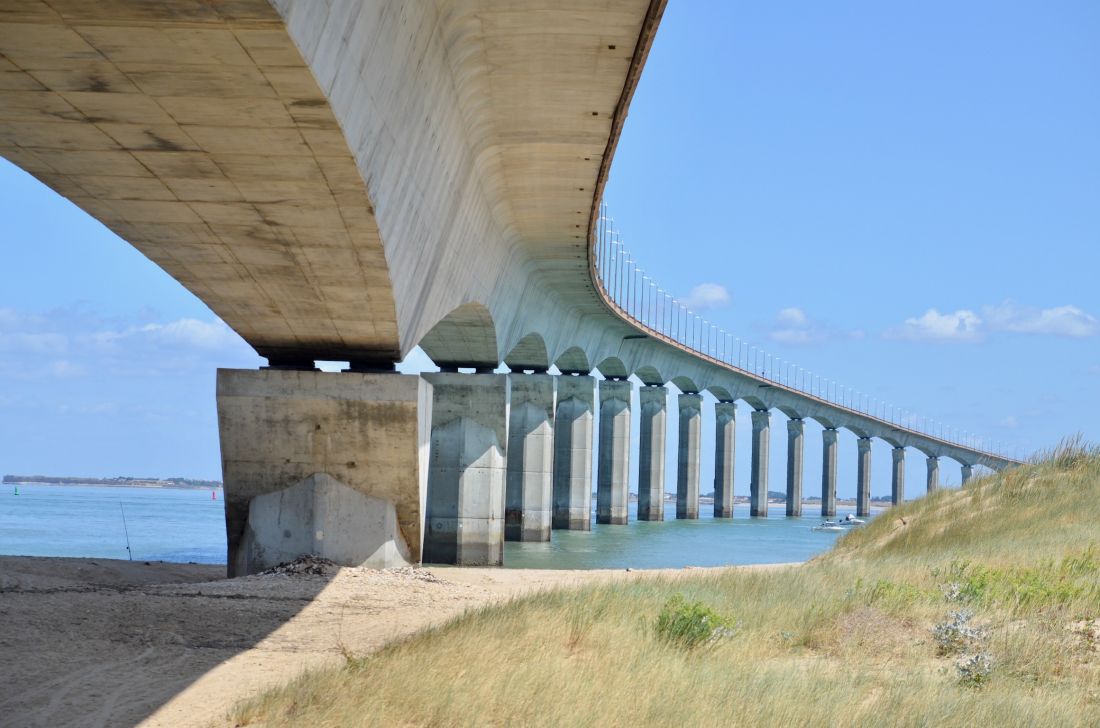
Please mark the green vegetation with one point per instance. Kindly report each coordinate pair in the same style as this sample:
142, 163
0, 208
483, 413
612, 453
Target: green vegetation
971, 607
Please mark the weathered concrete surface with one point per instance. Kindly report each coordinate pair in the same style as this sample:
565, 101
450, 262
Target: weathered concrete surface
652, 426
366, 431
613, 476
464, 522
967, 473
828, 472
863, 477
725, 421
530, 479
688, 453
761, 444
933, 482
573, 453
897, 476
795, 450
323, 517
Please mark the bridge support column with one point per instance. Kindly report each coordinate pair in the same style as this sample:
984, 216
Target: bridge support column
573, 453
967, 473
687, 464
466, 472
933, 474
897, 477
863, 477
725, 421
758, 485
651, 452
529, 487
333, 465
612, 480
795, 448
828, 472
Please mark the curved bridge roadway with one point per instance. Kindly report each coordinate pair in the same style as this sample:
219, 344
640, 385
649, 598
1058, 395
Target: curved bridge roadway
346, 180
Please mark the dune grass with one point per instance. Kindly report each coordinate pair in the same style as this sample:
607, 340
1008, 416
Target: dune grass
978, 607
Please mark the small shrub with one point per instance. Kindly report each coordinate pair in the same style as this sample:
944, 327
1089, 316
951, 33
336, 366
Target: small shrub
690, 624
957, 635
975, 670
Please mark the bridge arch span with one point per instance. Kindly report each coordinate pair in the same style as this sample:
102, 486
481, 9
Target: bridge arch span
529, 353
613, 368
466, 337
573, 360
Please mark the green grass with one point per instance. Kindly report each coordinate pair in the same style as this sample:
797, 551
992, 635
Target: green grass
849, 638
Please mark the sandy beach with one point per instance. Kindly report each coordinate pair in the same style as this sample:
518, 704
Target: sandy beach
96, 642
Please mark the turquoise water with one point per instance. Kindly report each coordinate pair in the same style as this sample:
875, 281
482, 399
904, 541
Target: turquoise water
168, 524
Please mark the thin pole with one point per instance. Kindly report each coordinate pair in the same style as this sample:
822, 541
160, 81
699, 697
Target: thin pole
125, 530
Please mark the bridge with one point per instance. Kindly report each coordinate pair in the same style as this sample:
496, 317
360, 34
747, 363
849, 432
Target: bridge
347, 180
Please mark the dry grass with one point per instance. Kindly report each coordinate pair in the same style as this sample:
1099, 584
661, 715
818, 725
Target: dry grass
844, 639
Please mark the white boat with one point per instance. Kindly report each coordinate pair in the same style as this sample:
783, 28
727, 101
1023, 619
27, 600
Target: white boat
850, 520
828, 526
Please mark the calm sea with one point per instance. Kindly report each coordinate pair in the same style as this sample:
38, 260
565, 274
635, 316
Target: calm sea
168, 524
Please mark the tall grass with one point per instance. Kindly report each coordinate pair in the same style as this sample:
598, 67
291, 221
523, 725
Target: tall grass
847, 638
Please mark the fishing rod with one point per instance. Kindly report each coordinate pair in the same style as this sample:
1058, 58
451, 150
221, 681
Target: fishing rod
125, 530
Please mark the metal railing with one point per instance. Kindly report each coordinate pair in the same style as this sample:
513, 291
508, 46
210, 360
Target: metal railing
652, 308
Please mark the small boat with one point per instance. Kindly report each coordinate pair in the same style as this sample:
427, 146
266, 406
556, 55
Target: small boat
850, 520
828, 526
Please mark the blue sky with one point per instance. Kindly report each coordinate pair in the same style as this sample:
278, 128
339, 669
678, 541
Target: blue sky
900, 198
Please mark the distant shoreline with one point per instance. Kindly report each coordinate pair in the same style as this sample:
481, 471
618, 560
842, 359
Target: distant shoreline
146, 485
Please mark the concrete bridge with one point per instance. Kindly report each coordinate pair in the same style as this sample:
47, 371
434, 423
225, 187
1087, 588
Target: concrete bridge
346, 180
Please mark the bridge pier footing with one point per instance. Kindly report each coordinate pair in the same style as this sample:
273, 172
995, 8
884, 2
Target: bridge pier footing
652, 426
795, 450
613, 477
688, 455
466, 471
529, 485
725, 426
573, 453
332, 465
897, 478
863, 477
758, 485
828, 472
933, 474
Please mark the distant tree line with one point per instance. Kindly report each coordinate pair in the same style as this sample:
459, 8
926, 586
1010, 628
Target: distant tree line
120, 480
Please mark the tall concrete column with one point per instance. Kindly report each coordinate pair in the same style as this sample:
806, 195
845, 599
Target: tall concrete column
897, 477
613, 476
933, 474
466, 469
758, 483
529, 486
687, 462
967, 473
651, 452
795, 448
573, 453
725, 421
863, 477
828, 472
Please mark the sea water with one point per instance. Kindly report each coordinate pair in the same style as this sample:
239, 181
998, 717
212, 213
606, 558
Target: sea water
185, 525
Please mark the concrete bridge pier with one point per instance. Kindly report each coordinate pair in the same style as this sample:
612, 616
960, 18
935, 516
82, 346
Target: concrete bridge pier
573, 453
967, 473
725, 420
333, 465
933, 474
466, 469
687, 463
529, 484
652, 426
613, 476
863, 477
897, 477
828, 472
795, 430
758, 484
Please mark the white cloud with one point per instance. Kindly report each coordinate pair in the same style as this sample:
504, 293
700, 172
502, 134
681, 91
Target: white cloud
64, 368
707, 295
193, 333
1010, 421
792, 317
793, 326
1057, 321
962, 325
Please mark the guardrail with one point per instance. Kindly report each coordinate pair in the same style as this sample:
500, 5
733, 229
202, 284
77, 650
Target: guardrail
652, 308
